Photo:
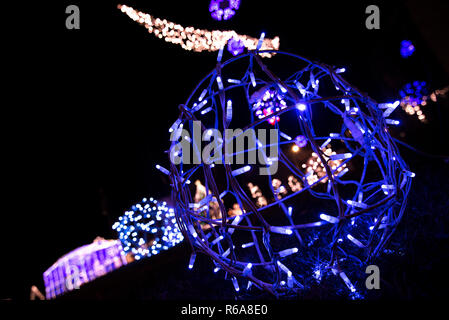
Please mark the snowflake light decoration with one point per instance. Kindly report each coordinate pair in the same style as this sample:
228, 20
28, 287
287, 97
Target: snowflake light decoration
223, 9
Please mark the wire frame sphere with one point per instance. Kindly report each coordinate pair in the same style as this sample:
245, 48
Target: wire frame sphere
336, 195
148, 228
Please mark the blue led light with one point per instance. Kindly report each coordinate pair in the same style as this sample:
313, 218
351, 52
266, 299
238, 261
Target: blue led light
138, 238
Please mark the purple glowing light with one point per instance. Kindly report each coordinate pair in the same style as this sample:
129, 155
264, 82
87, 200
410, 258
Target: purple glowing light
82, 265
223, 9
235, 46
267, 101
301, 141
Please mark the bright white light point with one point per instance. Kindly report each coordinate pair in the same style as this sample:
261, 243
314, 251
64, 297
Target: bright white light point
300, 106
328, 218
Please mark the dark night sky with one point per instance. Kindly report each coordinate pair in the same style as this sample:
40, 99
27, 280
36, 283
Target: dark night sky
91, 108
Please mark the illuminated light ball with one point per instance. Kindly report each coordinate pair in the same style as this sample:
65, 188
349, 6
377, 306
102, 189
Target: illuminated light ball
223, 9
301, 141
267, 101
407, 48
235, 46
295, 148
148, 228
343, 193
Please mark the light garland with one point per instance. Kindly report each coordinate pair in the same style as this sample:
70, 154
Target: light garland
196, 40
147, 229
363, 205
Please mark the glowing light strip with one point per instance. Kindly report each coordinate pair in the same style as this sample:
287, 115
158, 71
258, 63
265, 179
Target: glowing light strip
193, 39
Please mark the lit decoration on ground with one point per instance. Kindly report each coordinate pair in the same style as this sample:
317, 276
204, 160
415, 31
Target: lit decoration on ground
257, 195
82, 265
210, 208
147, 229
329, 226
279, 190
223, 9
407, 48
315, 169
193, 39
413, 98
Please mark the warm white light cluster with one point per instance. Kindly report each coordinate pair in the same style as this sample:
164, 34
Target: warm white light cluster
412, 106
315, 168
193, 39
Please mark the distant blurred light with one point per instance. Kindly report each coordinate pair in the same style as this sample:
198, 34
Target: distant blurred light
223, 9
407, 48
295, 148
301, 141
235, 46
